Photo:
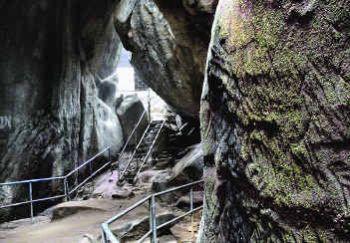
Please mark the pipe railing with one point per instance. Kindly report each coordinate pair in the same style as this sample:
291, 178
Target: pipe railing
132, 133
109, 237
144, 160
92, 174
123, 173
65, 180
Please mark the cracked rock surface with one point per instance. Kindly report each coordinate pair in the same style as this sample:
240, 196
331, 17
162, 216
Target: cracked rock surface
169, 41
52, 56
275, 118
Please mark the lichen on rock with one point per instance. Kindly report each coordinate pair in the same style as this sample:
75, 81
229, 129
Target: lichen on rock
275, 122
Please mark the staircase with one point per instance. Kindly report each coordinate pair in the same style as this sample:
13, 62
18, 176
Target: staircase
137, 160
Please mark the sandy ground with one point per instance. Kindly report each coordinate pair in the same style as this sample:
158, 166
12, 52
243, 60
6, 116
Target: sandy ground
71, 228
84, 218
87, 221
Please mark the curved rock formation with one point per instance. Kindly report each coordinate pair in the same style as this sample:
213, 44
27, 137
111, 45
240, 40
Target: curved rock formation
50, 55
169, 42
56, 62
130, 111
275, 122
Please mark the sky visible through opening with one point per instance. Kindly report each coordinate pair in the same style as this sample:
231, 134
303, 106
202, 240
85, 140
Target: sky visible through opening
125, 72
126, 82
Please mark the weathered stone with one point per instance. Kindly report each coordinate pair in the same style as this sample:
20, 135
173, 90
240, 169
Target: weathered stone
24, 222
139, 227
187, 169
106, 92
186, 229
122, 193
87, 238
129, 112
190, 167
169, 46
275, 120
50, 56
148, 176
68, 208
160, 181
185, 201
108, 129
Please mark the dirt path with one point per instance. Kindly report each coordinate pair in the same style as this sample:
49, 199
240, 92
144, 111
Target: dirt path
75, 219
86, 220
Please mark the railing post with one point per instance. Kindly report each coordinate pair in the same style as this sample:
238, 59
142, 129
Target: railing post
149, 105
150, 214
104, 236
191, 199
66, 189
31, 202
191, 209
109, 155
153, 219
90, 167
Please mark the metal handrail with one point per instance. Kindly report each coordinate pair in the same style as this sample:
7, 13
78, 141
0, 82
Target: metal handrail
32, 180
90, 160
150, 149
132, 133
65, 178
108, 236
66, 190
121, 177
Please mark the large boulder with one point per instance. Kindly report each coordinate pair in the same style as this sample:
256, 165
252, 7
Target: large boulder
67, 209
169, 41
188, 169
106, 187
51, 53
107, 122
275, 123
185, 201
107, 91
136, 228
129, 112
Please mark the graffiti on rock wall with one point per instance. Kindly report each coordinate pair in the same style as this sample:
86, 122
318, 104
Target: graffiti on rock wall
5, 122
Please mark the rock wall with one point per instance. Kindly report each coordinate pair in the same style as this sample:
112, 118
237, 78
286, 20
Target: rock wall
129, 112
51, 53
169, 42
275, 123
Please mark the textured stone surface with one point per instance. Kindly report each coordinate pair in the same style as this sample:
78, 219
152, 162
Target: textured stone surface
169, 41
185, 201
275, 122
186, 170
135, 229
67, 209
51, 54
190, 167
129, 112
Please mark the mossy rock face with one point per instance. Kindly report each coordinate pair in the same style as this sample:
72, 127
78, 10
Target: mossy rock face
275, 120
